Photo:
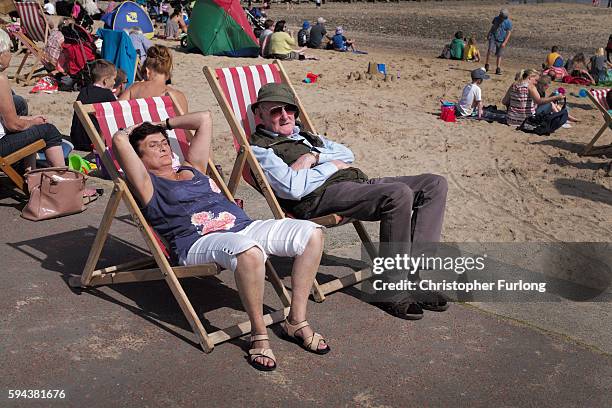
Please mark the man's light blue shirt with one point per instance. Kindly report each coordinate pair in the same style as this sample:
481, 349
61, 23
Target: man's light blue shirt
291, 184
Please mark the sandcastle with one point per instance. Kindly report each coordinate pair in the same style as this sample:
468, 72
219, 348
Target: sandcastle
372, 74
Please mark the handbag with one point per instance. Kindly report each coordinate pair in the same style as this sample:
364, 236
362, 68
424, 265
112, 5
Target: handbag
54, 192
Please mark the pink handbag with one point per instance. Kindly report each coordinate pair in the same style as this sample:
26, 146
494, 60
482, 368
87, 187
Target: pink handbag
54, 192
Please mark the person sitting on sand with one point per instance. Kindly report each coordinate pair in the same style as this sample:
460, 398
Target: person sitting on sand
175, 25
282, 43
542, 86
553, 59
455, 49
187, 208
598, 66
313, 176
522, 97
103, 75
340, 43
471, 97
471, 51
457, 46
317, 34
577, 67
18, 131
157, 70
609, 49
304, 34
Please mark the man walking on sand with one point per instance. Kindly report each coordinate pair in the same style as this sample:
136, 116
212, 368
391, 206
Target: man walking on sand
498, 37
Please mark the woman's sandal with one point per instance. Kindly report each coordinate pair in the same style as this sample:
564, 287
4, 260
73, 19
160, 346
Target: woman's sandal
308, 343
255, 353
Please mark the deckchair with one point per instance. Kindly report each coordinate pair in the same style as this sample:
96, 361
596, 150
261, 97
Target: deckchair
598, 97
114, 115
236, 89
34, 28
6, 162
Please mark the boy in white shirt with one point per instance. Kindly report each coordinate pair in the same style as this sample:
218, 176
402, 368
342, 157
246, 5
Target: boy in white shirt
471, 98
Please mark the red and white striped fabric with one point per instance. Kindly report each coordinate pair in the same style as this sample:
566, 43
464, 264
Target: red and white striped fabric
240, 86
113, 116
600, 96
33, 22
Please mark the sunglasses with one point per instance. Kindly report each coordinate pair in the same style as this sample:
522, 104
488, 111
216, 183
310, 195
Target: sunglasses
278, 110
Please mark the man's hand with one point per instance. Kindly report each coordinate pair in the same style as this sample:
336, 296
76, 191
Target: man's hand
340, 164
305, 161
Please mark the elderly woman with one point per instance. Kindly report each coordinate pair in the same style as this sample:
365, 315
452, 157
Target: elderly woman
157, 70
522, 97
201, 225
20, 131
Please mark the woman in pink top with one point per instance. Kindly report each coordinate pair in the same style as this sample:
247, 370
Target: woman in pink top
522, 97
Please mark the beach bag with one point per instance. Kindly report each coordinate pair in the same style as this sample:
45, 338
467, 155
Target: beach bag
544, 123
54, 192
447, 112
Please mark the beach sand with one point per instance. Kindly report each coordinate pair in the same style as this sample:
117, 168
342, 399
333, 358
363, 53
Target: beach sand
504, 185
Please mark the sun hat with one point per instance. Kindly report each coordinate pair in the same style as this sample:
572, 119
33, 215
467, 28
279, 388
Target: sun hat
273, 92
339, 30
305, 25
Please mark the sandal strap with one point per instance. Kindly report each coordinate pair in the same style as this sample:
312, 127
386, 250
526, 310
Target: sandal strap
292, 328
262, 352
259, 337
313, 342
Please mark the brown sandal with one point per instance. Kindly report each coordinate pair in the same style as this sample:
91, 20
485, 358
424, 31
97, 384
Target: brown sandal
261, 352
309, 343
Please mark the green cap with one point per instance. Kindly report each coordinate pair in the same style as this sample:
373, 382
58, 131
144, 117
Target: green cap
274, 92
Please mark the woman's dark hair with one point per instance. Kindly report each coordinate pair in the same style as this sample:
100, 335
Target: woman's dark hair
141, 132
280, 26
459, 34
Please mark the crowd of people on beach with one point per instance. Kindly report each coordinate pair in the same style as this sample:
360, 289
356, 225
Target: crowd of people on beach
526, 97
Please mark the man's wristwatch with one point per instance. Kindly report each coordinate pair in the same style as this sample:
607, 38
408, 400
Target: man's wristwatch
316, 156
168, 127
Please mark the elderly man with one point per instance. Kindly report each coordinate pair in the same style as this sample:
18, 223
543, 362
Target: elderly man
498, 36
313, 176
201, 225
317, 34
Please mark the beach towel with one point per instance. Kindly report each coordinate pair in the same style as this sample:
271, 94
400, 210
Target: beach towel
568, 79
118, 49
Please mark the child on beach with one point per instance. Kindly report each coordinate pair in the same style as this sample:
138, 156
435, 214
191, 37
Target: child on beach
457, 46
103, 74
471, 51
120, 82
340, 43
598, 66
553, 59
470, 103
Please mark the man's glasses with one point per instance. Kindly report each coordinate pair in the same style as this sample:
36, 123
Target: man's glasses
278, 110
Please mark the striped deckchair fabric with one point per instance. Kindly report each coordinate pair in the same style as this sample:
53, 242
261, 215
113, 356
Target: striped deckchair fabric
236, 89
598, 97
33, 28
33, 21
112, 116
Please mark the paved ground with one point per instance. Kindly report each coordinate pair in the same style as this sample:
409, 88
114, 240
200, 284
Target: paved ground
129, 345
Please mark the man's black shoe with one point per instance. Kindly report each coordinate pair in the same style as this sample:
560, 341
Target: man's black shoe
406, 308
431, 300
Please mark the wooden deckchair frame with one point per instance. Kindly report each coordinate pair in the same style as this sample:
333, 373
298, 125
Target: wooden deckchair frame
247, 158
6, 162
590, 148
129, 272
31, 49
